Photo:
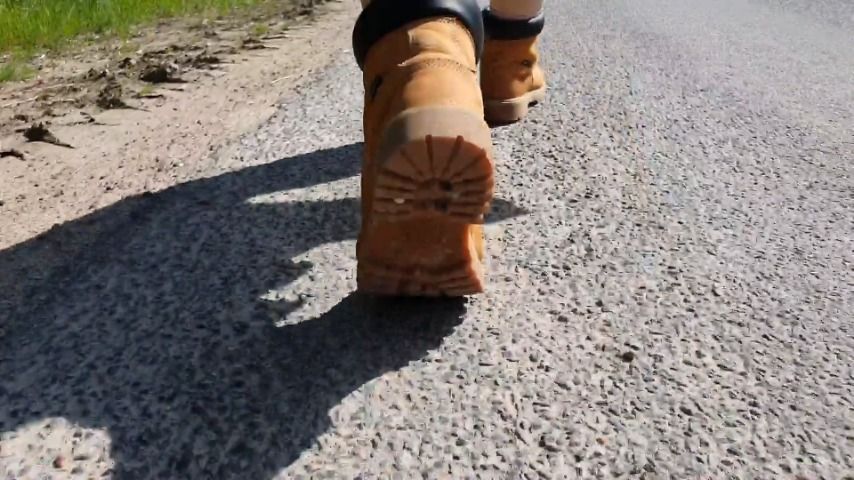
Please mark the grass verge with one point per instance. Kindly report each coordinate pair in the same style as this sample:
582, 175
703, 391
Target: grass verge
28, 25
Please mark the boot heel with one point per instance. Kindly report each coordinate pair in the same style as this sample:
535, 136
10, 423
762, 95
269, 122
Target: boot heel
502, 112
435, 162
433, 187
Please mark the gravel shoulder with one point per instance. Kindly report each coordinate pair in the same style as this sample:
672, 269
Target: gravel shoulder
220, 81
139, 115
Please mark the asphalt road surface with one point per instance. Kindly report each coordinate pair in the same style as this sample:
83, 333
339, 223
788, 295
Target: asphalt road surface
671, 291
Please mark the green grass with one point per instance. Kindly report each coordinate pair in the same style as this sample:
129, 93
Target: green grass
147, 90
30, 25
259, 29
14, 71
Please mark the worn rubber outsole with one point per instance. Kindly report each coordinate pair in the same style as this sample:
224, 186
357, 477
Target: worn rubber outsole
433, 187
502, 112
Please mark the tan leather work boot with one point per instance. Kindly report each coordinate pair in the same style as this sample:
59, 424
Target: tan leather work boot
427, 174
511, 77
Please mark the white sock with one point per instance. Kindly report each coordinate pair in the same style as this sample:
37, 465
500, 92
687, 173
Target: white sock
516, 9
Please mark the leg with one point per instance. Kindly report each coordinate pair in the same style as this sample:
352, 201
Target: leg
511, 77
516, 9
427, 173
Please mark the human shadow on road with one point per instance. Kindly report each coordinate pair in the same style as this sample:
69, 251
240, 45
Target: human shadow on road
155, 332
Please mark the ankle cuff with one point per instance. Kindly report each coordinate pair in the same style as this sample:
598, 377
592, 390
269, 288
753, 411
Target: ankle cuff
382, 17
505, 29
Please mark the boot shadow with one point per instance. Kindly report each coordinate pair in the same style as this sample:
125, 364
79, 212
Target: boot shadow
144, 319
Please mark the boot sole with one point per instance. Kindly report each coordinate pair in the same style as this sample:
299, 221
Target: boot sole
502, 112
435, 180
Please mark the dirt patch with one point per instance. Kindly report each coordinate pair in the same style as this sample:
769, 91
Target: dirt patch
114, 72
145, 113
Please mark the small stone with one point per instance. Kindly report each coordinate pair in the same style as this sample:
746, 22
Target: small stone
510, 356
549, 444
686, 410
627, 357
59, 462
523, 435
